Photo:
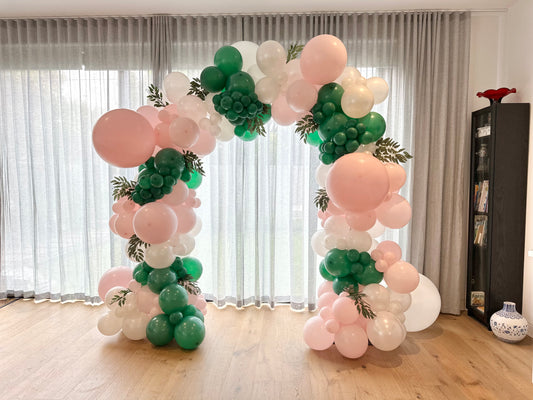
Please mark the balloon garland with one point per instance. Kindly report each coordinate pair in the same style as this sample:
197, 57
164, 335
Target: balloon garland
359, 176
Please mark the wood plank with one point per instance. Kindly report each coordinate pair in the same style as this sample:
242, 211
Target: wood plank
54, 351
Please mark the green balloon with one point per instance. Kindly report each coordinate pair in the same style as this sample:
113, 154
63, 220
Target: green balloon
193, 267
369, 275
228, 59
159, 330
337, 263
195, 181
177, 265
375, 124
241, 82
365, 258
249, 136
212, 79
331, 93
314, 139
172, 298
324, 272
141, 277
158, 279
265, 116
175, 318
190, 332
326, 158
138, 267
185, 175
169, 158
332, 125
239, 130
346, 283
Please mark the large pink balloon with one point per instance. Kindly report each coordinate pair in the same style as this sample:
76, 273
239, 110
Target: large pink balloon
124, 225
179, 194
401, 277
316, 336
394, 213
301, 95
361, 221
282, 113
155, 223
397, 176
123, 138
117, 276
357, 182
323, 59
205, 144
186, 218
351, 341
183, 132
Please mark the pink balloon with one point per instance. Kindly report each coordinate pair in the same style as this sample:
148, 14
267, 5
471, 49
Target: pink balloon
112, 221
163, 136
333, 326
357, 182
301, 95
323, 59
146, 299
316, 335
397, 176
168, 113
150, 113
325, 287
402, 277
327, 299
124, 225
282, 113
184, 132
388, 246
155, 223
186, 218
351, 341
326, 313
361, 221
362, 322
205, 144
123, 138
333, 209
117, 276
134, 286
179, 194
345, 310
394, 213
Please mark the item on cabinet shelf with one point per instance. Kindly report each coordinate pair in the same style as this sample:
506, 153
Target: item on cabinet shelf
477, 298
496, 95
483, 161
483, 131
507, 324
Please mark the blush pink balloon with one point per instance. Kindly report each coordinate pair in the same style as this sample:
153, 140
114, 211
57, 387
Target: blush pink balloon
301, 95
325, 287
150, 113
179, 194
361, 221
323, 59
388, 246
116, 276
205, 144
316, 336
402, 277
162, 131
333, 209
345, 310
168, 113
184, 132
351, 341
146, 299
394, 213
112, 221
124, 225
186, 218
282, 113
326, 313
327, 299
357, 182
362, 321
123, 138
333, 326
155, 223
397, 176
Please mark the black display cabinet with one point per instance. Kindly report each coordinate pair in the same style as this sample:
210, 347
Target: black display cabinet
498, 188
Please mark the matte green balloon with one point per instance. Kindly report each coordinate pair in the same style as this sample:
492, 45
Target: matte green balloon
336, 262
212, 79
193, 267
185, 175
138, 267
177, 265
241, 82
158, 279
249, 136
195, 181
169, 158
375, 124
370, 275
331, 93
267, 115
314, 139
348, 283
172, 298
141, 277
189, 333
228, 59
324, 272
332, 125
159, 330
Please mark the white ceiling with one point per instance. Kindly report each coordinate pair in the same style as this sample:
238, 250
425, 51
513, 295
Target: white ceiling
63, 8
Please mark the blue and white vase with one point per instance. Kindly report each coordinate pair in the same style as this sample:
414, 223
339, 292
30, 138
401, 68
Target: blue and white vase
507, 324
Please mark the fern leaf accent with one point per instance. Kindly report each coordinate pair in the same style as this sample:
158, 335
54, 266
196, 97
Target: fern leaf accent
306, 126
122, 187
388, 150
136, 248
321, 200
362, 306
193, 162
190, 286
197, 90
156, 96
294, 51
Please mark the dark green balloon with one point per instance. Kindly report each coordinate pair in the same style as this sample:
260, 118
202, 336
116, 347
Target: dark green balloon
337, 263
190, 332
193, 267
332, 125
185, 175
159, 330
189, 310
212, 79
375, 124
365, 258
346, 283
326, 158
369, 275
177, 264
228, 59
241, 82
239, 130
158, 279
172, 298
169, 158
324, 272
331, 93
249, 136
314, 139
141, 277
195, 181
175, 318
267, 115
138, 267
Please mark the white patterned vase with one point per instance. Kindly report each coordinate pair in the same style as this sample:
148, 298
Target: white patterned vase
507, 324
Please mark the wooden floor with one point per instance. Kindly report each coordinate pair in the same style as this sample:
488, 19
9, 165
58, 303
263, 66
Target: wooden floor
54, 351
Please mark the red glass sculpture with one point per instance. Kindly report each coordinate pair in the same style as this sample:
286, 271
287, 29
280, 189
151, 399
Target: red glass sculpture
496, 95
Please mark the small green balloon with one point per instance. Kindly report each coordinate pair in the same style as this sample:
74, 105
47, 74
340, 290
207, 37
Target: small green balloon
332, 125
190, 332
172, 298
195, 181
241, 82
369, 275
249, 136
212, 79
365, 258
189, 310
158, 279
138, 267
336, 262
141, 277
175, 318
326, 158
169, 158
345, 283
314, 139
193, 267
177, 264
324, 272
159, 330
185, 175
228, 59
239, 130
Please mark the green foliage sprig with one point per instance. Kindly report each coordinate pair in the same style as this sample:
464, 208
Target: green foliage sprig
294, 51
257, 124
388, 150
362, 306
136, 248
122, 187
193, 162
189, 285
197, 90
156, 96
321, 200
120, 297
306, 126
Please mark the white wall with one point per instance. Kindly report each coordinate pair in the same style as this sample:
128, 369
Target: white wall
500, 56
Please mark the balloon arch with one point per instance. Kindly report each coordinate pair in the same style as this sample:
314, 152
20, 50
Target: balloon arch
369, 292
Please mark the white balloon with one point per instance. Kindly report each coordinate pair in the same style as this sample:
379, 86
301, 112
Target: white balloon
385, 331
191, 107
357, 101
337, 225
175, 86
196, 228
361, 241
379, 87
348, 73
267, 89
185, 245
134, 327
271, 57
255, 73
403, 299
159, 256
129, 307
317, 243
109, 324
248, 52
425, 306
226, 131
330, 241
109, 297
321, 173
373, 246
377, 297
377, 230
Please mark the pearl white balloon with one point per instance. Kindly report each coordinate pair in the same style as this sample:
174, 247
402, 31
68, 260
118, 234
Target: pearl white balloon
337, 225
361, 241
184, 246
357, 101
226, 131
129, 307
255, 73
385, 331
197, 227
109, 324
176, 85
134, 327
425, 306
109, 297
403, 299
321, 173
317, 243
267, 89
379, 88
248, 52
377, 230
159, 256
377, 297
271, 57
